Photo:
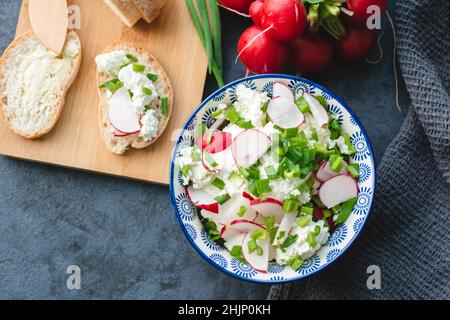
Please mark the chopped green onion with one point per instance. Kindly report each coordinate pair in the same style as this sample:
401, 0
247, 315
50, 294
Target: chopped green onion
196, 154
320, 149
241, 211
147, 91
138, 68
165, 106
317, 201
301, 140
254, 172
349, 144
281, 235
302, 105
263, 186
241, 123
307, 210
353, 169
314, 134
232, 115
152, 77
271, 172
336, 163
217, 113
303, 221
210, 159
317, 230
112, 85
346, 210
244, 172
132, 95
322, 101
290, 133
258, 234
295, 262
222, 198
236, 179
185, 171
131, 58
236, 252
290, 205
290, 240
326, 213
294, 154
218, 183
252, 245
311, 239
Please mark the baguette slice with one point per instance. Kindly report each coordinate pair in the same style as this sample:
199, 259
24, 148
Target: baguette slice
126, 10
119, 145
150, 9
34, 83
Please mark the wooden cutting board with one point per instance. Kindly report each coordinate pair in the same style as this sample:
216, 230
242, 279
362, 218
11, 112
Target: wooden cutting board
75, 141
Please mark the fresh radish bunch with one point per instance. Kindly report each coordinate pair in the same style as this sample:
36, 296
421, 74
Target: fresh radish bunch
241, 6
259, 53
360, 7
285, 19
357, 44
311, 52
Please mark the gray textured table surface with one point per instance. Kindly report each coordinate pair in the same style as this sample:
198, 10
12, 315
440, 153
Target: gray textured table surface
123, 234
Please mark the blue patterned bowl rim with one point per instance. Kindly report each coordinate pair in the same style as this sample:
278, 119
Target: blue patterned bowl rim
224, 89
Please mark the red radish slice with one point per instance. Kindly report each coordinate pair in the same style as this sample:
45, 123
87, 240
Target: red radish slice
338, 190
221, 160
229, 210
227, 233
248, 196
285, 226
318, 111
316, 184
325, 173
259, 263
233, 238
202, 199
269, 207
284, 113
283, 91
249, 146
246, 226
219, 142
121, 113
119, 134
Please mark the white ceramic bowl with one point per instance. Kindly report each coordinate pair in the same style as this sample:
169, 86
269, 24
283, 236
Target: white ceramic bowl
342, 237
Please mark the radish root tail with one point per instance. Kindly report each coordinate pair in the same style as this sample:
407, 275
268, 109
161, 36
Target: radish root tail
394, 61
251, 42
234, 11
380, 50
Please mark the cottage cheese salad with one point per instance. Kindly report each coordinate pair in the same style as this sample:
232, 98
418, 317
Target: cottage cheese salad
272, 177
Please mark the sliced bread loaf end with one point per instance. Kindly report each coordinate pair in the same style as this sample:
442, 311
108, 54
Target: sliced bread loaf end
34, 82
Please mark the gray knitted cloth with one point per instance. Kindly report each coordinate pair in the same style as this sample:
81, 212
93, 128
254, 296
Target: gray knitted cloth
408, 233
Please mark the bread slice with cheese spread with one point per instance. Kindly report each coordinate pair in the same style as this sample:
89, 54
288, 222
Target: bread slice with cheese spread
34, 82
116, 141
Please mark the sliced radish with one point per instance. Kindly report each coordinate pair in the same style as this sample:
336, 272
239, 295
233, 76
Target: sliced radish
325, 173
233, 238
202, 199
284, 113
285, 226
249, 146
229, 210
258, 262
246, 226
119, 134
318, 111
247, 195
338, 190
219, 142
280, 90
121, 113
228, 233
221, 160
269, 207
